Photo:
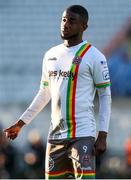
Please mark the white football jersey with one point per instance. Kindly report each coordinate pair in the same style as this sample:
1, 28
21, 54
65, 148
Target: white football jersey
72, 75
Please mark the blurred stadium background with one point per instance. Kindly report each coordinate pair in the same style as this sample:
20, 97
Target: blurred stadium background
28, 28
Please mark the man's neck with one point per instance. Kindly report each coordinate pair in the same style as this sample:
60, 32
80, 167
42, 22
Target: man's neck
70, 43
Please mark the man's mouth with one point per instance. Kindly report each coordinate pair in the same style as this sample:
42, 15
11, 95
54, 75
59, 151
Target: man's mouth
65, 31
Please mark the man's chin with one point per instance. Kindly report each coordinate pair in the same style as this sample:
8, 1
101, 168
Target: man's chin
64, 37
67, 37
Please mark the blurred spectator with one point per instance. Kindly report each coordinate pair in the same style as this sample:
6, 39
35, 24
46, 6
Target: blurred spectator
34, 157
128, 156
16, 164
118, 52
128, 151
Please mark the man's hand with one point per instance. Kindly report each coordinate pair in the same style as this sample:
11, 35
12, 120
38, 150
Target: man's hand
13, 131
100, 144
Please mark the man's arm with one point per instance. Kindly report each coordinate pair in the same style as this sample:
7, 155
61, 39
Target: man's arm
104, 118
39, 102
100, 74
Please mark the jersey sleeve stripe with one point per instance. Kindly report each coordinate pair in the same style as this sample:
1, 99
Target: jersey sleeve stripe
44, 83
101, 85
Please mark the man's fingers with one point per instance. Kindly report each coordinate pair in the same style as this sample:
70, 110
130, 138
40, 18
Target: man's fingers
6, 130
11, 129
99, 151
12, 135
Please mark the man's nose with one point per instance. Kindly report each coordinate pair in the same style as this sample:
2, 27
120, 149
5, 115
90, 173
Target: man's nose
66, 24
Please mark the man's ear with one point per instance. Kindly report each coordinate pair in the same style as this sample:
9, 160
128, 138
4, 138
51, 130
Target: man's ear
85, 26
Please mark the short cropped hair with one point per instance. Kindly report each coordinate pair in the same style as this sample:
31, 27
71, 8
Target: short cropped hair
78, 9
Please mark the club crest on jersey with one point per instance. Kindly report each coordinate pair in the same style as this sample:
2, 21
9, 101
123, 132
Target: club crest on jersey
86, 162
76, 60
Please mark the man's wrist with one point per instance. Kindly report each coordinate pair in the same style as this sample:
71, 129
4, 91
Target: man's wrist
102, 134
20, 123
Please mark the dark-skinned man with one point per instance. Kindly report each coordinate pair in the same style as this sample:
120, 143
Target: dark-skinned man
72, 73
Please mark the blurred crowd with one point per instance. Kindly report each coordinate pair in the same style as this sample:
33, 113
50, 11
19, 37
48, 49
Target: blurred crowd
25, 163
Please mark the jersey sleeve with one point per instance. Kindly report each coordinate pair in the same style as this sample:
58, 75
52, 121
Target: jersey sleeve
44, 83
102, 82
104, 108
41, 99
100, 71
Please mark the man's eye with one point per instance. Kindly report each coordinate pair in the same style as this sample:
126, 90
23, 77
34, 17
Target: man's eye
64, 20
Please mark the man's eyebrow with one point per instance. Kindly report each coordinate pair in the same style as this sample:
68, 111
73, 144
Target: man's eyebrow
71, 17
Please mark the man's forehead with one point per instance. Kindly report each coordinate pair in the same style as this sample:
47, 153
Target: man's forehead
70, 14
